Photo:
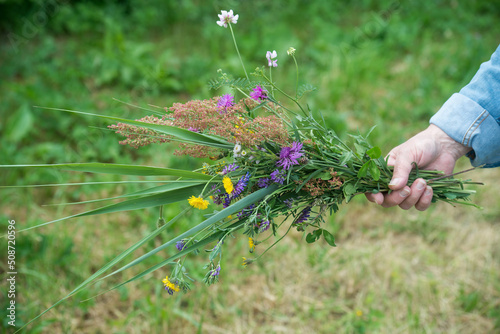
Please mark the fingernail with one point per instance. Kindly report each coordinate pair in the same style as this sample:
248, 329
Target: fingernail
405, 192
428, 190
395, 182
421, 184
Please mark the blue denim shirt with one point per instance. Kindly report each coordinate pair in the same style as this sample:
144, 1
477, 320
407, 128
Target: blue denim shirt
472, 116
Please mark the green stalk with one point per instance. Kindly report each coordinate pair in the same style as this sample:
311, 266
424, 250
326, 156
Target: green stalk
238, 51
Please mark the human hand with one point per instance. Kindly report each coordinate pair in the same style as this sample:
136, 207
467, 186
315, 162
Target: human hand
429, 149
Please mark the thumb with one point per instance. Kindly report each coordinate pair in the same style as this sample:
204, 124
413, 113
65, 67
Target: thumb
402, 168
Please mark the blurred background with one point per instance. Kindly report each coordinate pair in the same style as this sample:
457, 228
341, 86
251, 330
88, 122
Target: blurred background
386, 63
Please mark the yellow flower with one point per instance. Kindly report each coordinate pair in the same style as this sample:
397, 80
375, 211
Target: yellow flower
359, 313
170, 285
198, 202
251, 245
228, 185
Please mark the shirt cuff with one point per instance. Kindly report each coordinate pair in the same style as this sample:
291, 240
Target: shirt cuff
468, 123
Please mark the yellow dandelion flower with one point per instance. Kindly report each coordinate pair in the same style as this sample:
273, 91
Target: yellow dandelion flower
251, 245
228, 185
170, 285
359, 313
198, 202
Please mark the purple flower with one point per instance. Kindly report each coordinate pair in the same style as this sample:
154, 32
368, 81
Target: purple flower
258, 93
216, 271
227, 18
180, 244
278, 176
288, 202
246, 211
240, 186
289, 155
229, 168
270, 58
193, 129
304, 215
225, 101
263, 226
263, 182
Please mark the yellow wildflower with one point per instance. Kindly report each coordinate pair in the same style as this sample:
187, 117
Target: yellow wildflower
198, 202
170, 285
251, 245
228, 185
359, 313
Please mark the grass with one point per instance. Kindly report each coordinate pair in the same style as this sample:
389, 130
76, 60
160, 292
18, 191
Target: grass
386, 63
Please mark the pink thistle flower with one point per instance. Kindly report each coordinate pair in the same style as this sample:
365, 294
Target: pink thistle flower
289, 155
225, 101
270, 58
227, 18
258, 93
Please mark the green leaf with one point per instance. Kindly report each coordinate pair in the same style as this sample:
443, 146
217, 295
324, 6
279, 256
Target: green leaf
118, 169
313, 236
182, 134
364, 169
374, 171
374, 152
329, 238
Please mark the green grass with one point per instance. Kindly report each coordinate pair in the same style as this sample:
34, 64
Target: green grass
385, 63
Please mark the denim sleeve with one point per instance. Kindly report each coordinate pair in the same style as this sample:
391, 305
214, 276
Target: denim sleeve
472, 116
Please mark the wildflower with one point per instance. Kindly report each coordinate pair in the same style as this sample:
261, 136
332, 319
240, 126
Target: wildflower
225, 102
263, 182
180, 244
289, 155
263, 226
216, 271
278, 176
237, 150
290, 51
258, 93
304, 216
288, 202
246, 211
169, 286
359, 313
270, 58
251, 245
240, 186
228, 184
194, 129
229, 168
198, 202
246, 261
227, 18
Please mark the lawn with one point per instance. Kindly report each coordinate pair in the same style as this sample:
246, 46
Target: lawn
386, 63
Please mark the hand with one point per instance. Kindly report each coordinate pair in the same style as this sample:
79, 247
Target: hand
430, 149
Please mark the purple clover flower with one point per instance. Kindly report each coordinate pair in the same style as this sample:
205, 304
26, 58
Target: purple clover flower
229, 168
225, 101
289, 155
278, 176
180, 244
258, 94
270, 58
263, 182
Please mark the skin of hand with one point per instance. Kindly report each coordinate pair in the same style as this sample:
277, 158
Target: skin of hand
430, 149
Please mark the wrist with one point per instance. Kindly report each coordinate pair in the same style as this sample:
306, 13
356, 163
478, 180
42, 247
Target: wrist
447, 143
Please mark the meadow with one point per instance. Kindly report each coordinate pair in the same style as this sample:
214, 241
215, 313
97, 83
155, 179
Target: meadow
386, 63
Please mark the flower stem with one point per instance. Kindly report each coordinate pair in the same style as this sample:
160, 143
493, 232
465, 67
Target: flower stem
238, 51
297, 81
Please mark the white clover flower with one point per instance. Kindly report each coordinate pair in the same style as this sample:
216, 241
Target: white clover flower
227, 17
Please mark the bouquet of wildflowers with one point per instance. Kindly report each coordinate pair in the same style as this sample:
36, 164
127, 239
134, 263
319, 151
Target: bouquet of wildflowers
274, 168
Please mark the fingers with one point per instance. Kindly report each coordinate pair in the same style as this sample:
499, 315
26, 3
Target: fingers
419, 195
402, 168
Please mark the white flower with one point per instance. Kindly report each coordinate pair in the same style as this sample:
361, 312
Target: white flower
227, 17
291, 51
270, 58
237, 150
